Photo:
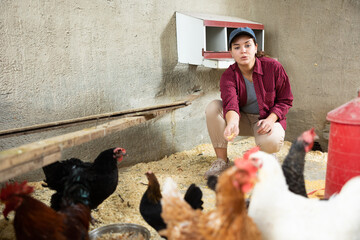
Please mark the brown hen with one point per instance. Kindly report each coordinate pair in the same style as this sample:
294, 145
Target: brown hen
228, 221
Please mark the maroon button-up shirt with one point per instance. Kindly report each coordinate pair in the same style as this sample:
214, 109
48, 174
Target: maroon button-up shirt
272, 88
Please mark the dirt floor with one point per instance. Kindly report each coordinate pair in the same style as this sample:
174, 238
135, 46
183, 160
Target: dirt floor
185, 168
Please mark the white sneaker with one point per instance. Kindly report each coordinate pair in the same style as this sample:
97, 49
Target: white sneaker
217, 167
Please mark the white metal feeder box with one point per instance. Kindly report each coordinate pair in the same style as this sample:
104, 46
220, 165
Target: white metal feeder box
203, 39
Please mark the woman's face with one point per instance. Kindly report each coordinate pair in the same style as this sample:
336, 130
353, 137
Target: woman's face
243, 50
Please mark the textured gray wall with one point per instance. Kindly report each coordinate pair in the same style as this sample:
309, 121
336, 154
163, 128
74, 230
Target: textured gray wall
62, 60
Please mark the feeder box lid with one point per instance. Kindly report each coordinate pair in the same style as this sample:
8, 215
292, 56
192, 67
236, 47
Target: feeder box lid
348, 113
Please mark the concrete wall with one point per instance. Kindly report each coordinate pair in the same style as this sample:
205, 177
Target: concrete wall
62, 60
318, 44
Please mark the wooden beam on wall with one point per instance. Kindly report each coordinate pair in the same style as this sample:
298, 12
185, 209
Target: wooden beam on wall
29, 166
16, 161
28, 157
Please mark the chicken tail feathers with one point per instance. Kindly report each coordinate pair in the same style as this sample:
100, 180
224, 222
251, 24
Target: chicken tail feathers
55, 172
211, 182
76, 188
51, 174
193, 196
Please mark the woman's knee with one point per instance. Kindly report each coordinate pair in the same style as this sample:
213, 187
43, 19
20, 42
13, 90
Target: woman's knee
271, 143
271, 146
214, 108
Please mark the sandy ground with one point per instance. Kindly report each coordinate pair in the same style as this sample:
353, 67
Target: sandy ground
185, 168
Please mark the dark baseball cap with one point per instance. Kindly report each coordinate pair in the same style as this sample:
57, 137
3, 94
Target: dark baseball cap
241, 31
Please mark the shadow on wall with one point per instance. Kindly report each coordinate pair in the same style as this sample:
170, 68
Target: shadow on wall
173, 77
180, 79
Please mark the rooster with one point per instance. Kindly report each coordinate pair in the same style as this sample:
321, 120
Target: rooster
101, 175
281, 214
34, 220
150, 205
293, 165
228, 221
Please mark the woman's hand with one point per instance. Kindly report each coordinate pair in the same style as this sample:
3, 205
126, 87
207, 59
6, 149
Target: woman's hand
232, 126
231, 131
266, 125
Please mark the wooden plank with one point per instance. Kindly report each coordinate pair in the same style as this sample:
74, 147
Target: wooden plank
31, 156
29, 166
125, 113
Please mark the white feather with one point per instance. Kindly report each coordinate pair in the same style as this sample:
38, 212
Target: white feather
170, 188
282, 215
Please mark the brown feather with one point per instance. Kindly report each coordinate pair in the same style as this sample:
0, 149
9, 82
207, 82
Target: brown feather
35, 220
228, 221
154, 193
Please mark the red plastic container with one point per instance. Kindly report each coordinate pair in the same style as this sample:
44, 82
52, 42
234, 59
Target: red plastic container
344, 146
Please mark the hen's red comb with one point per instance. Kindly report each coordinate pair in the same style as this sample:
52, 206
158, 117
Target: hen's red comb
122, 150
15, 189
251, 151
309, 135
312, 130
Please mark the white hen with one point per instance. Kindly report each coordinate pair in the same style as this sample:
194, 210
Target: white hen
283, 215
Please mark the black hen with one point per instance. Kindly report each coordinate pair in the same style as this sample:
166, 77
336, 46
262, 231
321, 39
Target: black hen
294, 163
100, 175
150, 204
